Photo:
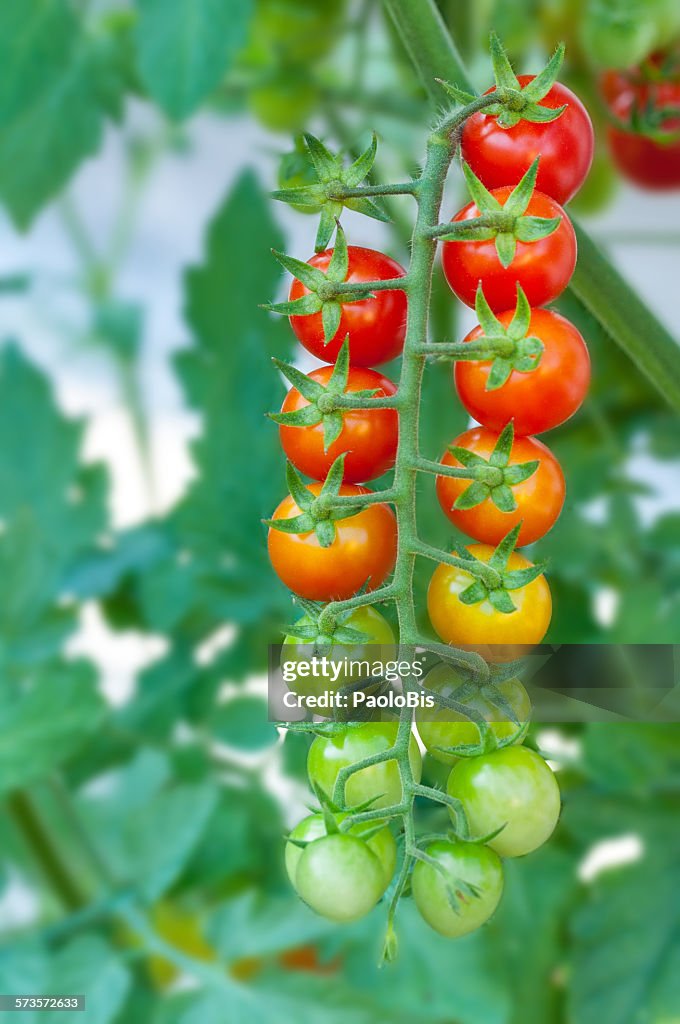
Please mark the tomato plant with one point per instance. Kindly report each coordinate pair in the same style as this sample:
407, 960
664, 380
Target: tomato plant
481, 625
376, 326
362, 552
481, 506
369, 436
535, 399
447, 728
380, 783
501, 155
542, 267
512, 789
459, 894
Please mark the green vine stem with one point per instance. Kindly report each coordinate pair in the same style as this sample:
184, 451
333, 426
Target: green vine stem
596, 283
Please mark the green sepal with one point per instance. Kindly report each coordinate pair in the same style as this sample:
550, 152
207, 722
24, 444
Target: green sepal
473, 594
333, 424
501, 601
466, 457
300, 494
472, 496
531, 229
369, 207
468, 231
503, 498
500, 455
304, 195
501, 369
543, 82
308, 388
499, 559
502, 69
488, 320
325, 163
296, 524
525, 99
362, 166
325, 532
333, 481
304, 306
460, 96
308, 416
338, 264
515, 579
517, 474
482, 198
310, 276
506, 247
519, 325
327, 221
519, 198
331, 312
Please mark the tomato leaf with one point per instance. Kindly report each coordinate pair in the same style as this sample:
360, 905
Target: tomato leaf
184, 48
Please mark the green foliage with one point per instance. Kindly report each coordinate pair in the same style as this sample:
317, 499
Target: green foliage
54, 96
184, 48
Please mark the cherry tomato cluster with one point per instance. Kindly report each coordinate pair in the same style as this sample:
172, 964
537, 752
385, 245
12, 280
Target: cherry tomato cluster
522, 371
644, 131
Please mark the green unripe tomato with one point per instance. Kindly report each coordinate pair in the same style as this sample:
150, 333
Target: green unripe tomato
379, 648
339, 877
283, 105
444, 728
379, 782
513, 788
297, 31
476, 865
617, 33
381, 844
599, 187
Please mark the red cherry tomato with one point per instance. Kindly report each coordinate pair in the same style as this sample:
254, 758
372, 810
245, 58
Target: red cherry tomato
646, 162
364, 551
500, 156
539, 498
376, 327
540, 399
369, 436
542, 268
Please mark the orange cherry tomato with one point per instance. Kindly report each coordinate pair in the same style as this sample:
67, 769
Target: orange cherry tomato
364, 551
539, 498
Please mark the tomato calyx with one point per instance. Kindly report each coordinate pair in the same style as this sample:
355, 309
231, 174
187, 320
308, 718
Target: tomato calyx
516, 102
516, 349
318, 513
328, 292
324, 629
651, 121
324, 406
491, 478
334, 187
493, 580
505, 224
